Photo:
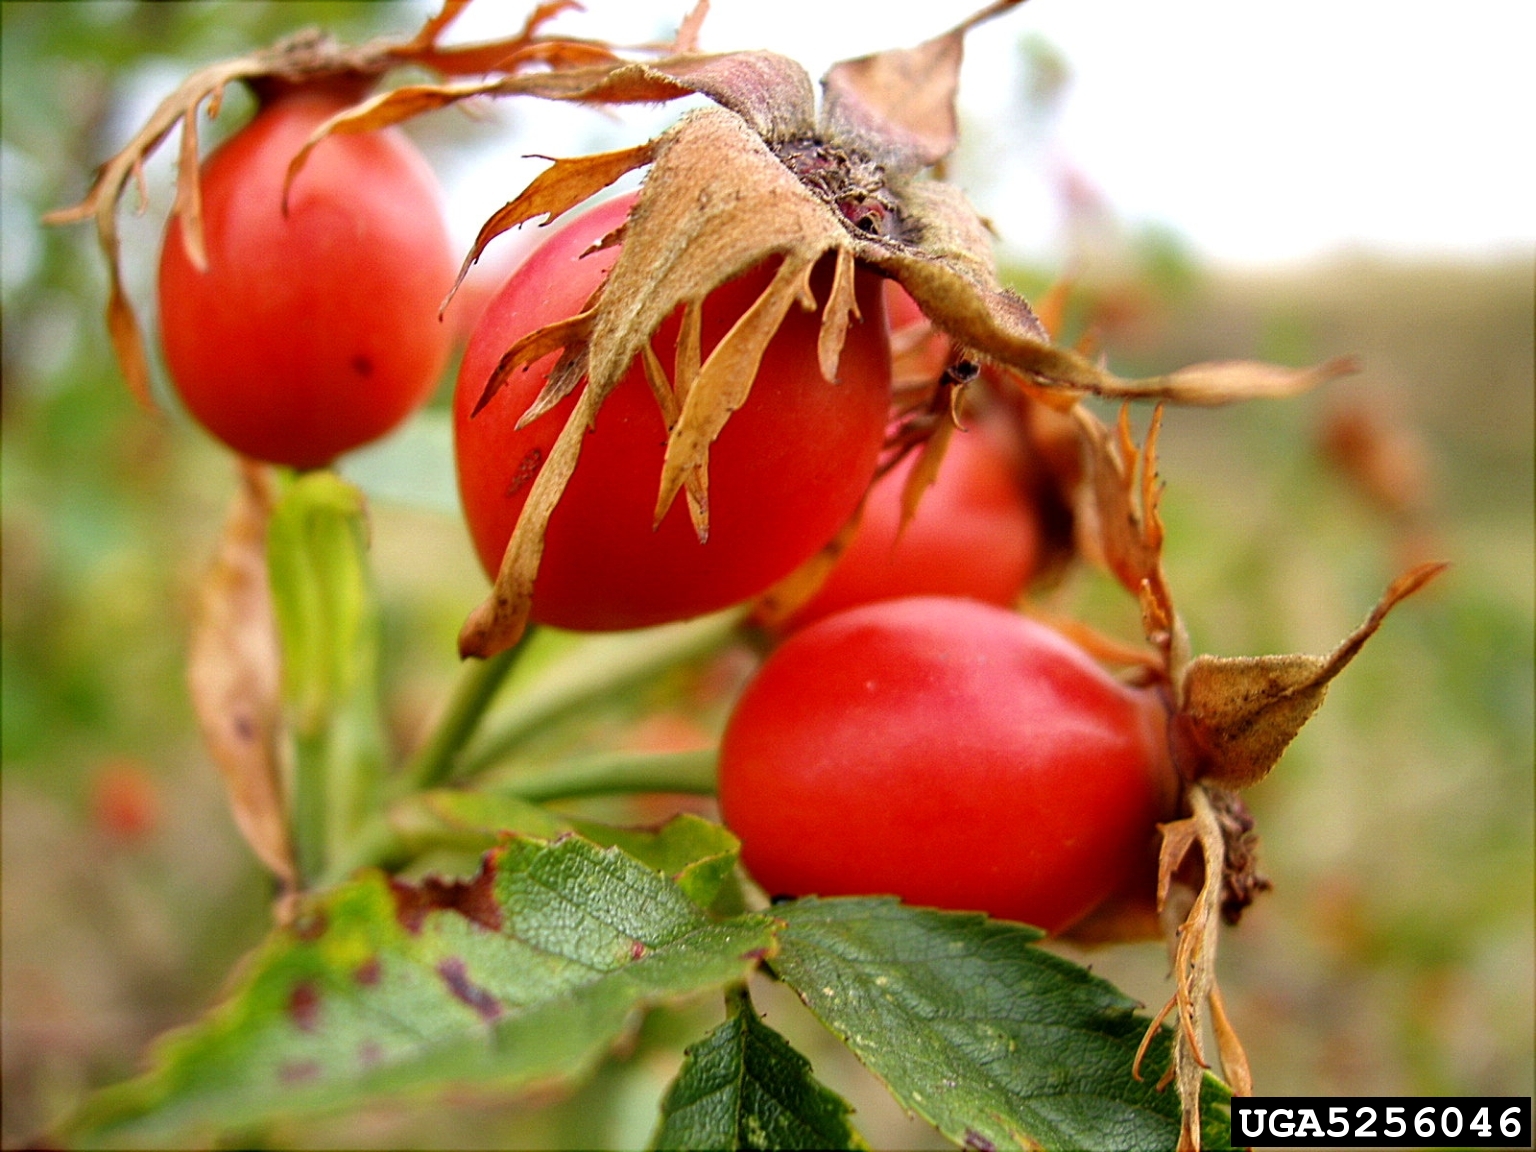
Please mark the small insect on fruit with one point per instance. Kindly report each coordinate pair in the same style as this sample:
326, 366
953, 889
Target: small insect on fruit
948, 752
315, 330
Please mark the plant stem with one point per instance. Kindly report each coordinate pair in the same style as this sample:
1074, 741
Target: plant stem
599, 666
611, 773
434, 763
380, 844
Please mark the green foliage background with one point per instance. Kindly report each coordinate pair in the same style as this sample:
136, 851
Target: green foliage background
1395, 955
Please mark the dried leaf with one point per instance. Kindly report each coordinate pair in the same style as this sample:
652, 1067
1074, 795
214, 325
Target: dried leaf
903, 100
1238, 714
234, 672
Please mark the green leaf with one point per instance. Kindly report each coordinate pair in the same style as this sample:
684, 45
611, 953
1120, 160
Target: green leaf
699, 855
468, 821
317, 557
743, 1086
996, 1043
526, 974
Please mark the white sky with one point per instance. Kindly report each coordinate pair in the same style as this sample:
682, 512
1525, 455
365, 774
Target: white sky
1261, 131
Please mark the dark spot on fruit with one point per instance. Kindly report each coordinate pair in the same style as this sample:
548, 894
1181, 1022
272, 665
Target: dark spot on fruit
245, 730
474, 899
486, 1006
304, 1005
527, 469
367, 973
298, 1071
362, 365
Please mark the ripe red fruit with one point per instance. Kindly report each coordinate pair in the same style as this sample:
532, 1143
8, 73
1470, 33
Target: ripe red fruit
784, 475
975, 534
312, 333
948, 752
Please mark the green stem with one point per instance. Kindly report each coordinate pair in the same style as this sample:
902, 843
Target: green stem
311, 832
379, 844
434, 763
613, 773
599, 666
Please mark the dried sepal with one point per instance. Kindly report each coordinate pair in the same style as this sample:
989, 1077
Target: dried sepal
1234, 1058
234, 671
1194, 960
506, 54
570, 333
726, 378
555, 191
1119, 525
499, 621
687, 38
841, 309
1238, 714
904, 98
188, 205
695, 483
716, 203
100, 204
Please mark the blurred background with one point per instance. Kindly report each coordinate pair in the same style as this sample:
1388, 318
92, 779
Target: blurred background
1295, 184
